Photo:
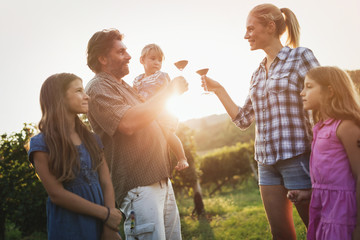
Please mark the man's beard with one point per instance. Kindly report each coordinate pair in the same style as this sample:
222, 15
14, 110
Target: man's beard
120, 72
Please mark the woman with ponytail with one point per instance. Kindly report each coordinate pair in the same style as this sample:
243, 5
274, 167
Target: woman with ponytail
283, 130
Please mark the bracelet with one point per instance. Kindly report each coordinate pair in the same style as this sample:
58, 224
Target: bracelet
108, 215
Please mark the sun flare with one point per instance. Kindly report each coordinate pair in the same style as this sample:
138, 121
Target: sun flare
174, 106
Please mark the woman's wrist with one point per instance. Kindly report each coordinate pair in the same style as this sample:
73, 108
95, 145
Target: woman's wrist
219, 90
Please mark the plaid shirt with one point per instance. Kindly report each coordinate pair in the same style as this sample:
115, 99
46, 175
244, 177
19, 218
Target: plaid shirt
283, 129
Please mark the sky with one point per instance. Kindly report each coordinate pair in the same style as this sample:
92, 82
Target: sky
39, 38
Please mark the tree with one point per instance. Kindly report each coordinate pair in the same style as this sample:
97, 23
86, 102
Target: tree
23, 198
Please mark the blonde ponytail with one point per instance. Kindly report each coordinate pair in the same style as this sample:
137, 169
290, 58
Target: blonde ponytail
284, 19
293, 28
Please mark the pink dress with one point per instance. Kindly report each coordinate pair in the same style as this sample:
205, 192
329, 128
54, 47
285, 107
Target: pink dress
333, 200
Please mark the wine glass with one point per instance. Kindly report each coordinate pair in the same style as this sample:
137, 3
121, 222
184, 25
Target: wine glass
181, 65
203, 72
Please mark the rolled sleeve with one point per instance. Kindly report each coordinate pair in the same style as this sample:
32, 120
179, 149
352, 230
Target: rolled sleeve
245, 116
309, 61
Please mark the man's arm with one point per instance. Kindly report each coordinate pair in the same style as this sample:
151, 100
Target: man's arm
141, 115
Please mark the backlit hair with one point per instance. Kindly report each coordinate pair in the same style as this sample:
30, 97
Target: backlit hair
63, 155
100, 44
283, 18
152, 47
344, 103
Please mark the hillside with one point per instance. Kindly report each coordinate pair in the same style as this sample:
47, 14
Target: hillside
197, 123
217, 131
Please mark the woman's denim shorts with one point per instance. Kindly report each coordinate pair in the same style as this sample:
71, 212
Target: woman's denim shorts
292, 173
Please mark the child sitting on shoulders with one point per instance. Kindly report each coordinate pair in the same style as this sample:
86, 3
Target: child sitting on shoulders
147, 85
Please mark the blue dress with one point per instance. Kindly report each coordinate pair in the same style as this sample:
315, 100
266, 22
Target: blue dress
63, 224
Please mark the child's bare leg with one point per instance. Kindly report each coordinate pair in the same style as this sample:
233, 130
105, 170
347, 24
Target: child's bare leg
182, 164
177, 147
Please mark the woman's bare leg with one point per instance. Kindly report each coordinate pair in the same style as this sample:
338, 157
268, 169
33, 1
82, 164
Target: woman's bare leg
278, 209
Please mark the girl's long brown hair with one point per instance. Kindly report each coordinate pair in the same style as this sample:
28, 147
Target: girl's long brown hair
63, 155
344, 101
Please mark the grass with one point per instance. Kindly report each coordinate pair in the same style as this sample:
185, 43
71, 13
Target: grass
231, 214
12, 233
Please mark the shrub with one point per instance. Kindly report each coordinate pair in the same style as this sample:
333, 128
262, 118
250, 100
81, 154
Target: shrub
23, 198
224, 164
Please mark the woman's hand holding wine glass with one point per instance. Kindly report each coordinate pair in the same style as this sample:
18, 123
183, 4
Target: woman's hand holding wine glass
209, 84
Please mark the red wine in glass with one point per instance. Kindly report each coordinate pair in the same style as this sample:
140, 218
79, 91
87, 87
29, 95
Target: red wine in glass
181, 64
203, 72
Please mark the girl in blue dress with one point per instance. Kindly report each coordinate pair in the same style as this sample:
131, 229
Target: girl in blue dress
69, 161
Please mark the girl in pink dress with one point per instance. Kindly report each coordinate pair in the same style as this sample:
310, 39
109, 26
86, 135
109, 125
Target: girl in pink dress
335, 157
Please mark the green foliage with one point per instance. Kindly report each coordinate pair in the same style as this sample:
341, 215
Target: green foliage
23, 198
222, 165
13, 233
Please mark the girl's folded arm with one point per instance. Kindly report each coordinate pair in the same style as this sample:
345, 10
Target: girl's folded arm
62, 197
